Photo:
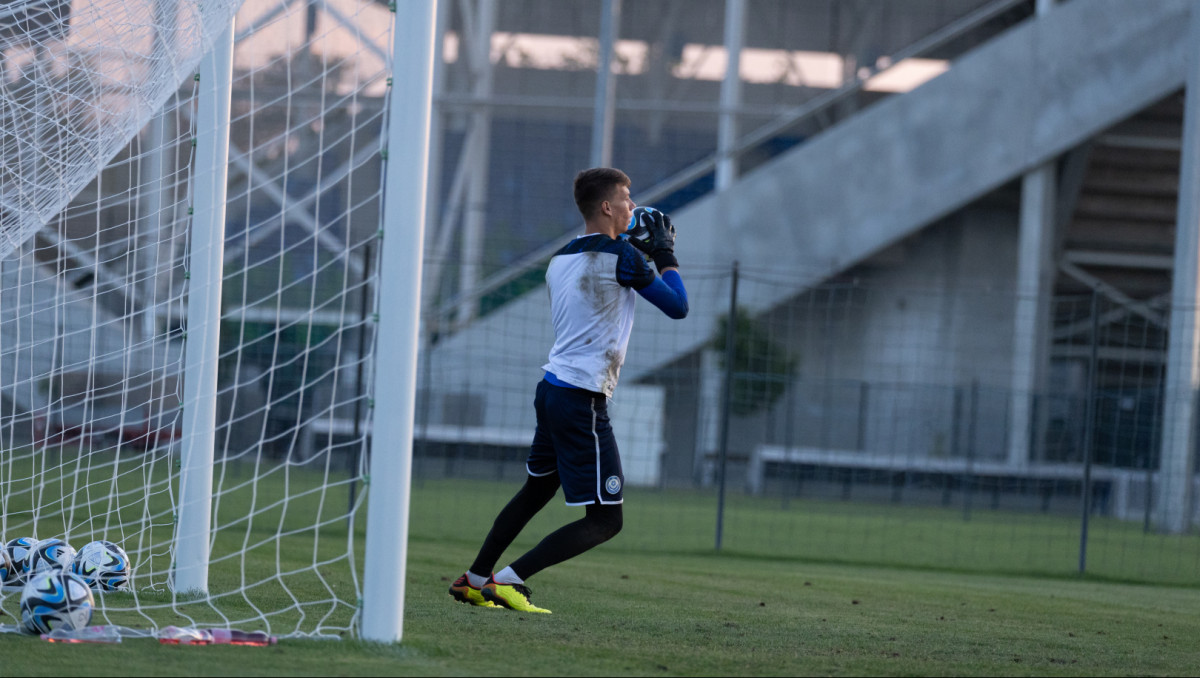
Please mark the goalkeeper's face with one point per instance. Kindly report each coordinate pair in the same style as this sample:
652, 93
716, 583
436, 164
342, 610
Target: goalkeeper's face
621, 206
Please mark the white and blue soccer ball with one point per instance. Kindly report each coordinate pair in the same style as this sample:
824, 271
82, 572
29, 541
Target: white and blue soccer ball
16, 555
55, 599
50, 554
103, 565
7, 571
639, 224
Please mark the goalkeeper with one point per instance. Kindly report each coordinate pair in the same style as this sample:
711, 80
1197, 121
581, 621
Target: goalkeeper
591, 281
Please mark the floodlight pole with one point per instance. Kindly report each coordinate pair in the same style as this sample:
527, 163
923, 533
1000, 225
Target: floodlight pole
202, 347
731, 94
605, 107
404, 191
473, 226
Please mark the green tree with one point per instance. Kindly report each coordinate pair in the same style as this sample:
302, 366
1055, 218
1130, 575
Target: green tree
762, 367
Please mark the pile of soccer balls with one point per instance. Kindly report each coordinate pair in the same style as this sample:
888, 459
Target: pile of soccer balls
58, 581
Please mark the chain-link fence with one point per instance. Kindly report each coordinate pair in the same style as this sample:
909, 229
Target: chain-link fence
860, 420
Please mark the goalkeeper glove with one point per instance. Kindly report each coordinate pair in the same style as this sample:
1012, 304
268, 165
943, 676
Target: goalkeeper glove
656, 239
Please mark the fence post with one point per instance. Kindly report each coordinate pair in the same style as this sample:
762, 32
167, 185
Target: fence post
1156, 432
1089, 416
864, 393
727, 399
969, 475
421, 445
788, 442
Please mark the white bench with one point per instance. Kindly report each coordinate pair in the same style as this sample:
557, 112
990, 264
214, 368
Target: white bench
1122, 502
437, 433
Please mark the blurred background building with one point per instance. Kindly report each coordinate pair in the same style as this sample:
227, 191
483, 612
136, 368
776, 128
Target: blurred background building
947, 228
956, 219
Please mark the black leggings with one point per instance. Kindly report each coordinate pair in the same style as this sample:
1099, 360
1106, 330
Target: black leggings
600, 523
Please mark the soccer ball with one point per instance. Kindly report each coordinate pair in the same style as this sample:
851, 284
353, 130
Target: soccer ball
103, 565
639, 214
55, 599
50, 554
16, 555
6, 568
639, 225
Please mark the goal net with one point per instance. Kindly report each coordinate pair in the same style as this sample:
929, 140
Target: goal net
99, 107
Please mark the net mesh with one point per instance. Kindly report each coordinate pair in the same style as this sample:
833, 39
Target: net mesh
80, 80
98, 127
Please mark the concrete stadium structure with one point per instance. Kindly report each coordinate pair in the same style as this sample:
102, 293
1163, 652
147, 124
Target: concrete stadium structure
990, 178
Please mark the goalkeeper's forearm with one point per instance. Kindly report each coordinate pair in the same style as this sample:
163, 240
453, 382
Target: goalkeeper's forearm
668, 294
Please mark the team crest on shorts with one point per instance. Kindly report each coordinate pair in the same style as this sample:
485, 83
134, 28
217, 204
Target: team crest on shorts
613, 484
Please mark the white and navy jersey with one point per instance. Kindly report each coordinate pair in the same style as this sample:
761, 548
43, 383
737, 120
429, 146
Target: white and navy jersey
592, 282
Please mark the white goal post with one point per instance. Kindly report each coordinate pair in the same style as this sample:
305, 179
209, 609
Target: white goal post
400, 301
194, 275
204, 317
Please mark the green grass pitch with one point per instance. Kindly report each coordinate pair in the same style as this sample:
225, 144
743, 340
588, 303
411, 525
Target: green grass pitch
813, 588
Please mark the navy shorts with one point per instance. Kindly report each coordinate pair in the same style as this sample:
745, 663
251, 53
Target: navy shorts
574, 439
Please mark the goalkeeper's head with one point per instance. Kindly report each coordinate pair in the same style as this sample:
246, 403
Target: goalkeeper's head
602, 194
